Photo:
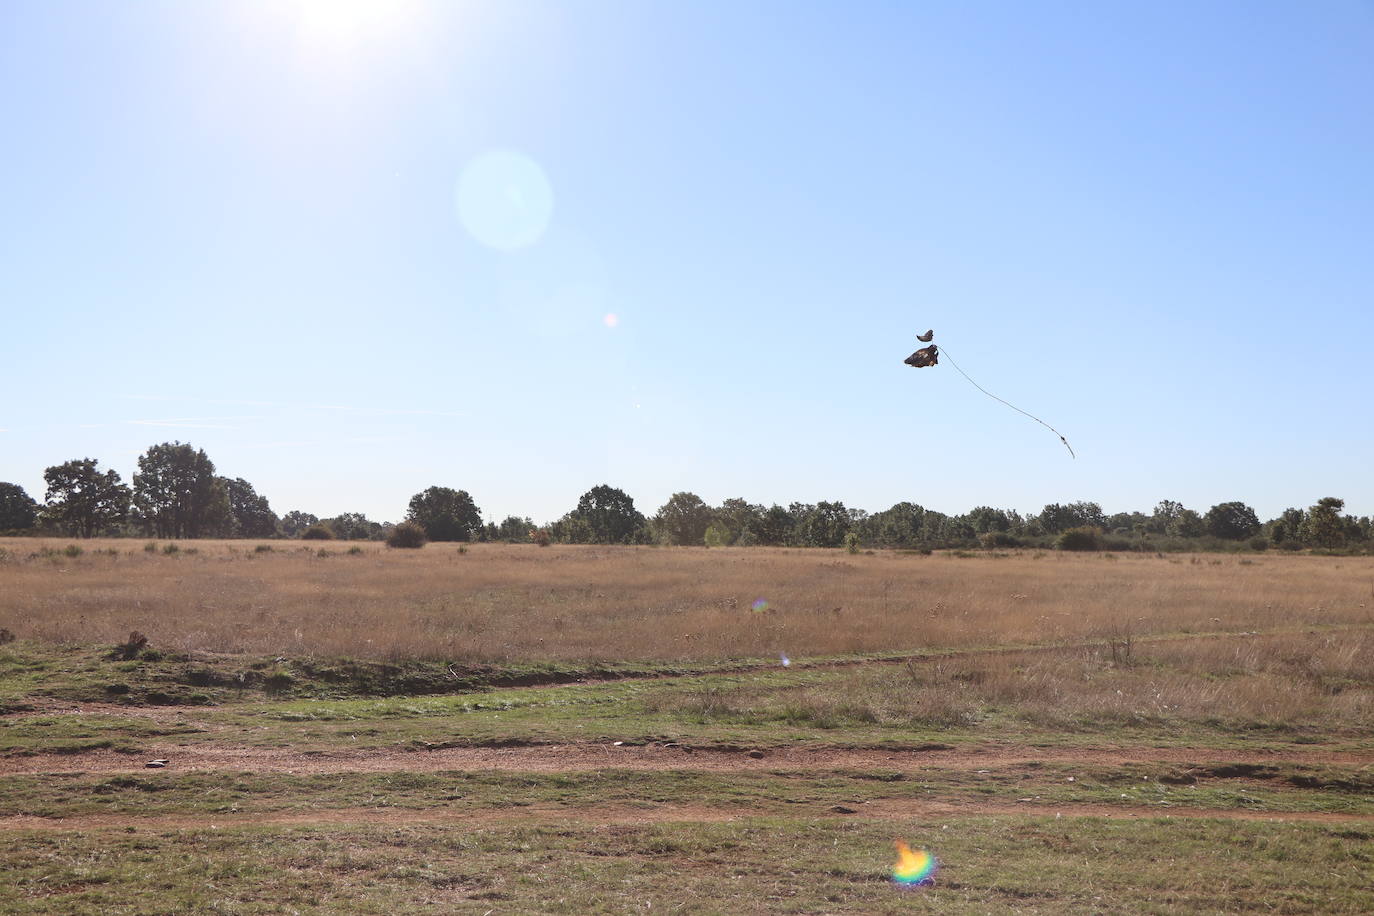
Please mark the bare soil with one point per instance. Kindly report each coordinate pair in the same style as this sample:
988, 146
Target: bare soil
550, 758
635, 815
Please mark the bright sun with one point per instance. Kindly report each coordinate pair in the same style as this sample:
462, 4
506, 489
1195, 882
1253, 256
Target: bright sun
341, 24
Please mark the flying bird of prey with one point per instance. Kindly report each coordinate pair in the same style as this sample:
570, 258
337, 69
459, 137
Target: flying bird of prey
930, 356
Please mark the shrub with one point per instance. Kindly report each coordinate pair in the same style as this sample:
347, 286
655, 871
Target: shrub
851, 541
408, 535
991, 539
170, 549
1259, 543
1085, 537
150, 547
72, 551
541, 537
318, 532
263, 548
130, 648
354, 550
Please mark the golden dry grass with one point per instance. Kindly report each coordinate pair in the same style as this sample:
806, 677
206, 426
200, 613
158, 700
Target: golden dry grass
511, 602
1322, 679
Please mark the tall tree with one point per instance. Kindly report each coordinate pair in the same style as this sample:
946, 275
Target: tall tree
18, 510
1324, 526
296, 521
985, 518
83, 500
737, 516
446, 514
611, 516
1233, 521
513, 528
1188, 525
822, 525
900, 526
250, 515
683, 519
1165, 517
175, 493
772, 527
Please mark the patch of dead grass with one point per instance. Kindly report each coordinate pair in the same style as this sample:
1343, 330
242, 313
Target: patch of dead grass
501, 602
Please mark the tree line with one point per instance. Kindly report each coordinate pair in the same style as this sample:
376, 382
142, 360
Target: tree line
177, 493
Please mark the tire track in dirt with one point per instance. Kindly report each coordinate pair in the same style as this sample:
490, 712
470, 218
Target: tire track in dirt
552, 758
640, 815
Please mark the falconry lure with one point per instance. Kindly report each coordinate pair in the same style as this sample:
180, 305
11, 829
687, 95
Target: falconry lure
930, 356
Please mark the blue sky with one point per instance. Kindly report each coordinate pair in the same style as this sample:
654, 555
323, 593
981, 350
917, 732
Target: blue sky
239, 225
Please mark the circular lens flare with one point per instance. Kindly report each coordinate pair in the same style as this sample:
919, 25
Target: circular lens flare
504, 200
914, 868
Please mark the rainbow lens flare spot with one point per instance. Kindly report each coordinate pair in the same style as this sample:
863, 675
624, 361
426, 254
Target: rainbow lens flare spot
914, 868
760, 604
786, 662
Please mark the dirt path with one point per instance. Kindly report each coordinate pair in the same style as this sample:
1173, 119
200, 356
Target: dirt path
587, 757
619, 815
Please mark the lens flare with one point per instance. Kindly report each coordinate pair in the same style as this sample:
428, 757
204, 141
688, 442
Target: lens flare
914, 868
504, 200
786, 662
759, 605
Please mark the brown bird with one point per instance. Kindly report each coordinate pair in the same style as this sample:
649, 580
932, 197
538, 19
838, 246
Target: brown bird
927, 337
926, 356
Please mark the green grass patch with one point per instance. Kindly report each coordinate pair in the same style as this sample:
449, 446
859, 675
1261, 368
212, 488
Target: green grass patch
1285, 789
754, 865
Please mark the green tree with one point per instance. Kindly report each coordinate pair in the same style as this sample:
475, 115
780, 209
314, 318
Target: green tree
1287, 527
716, 535
903, 525
1189, 525
1165, 518
823, 525
772, 527
294, 523
175, 492
1324, 526
354, 526
572, 529
514, 529
18, 510
446, 514
249, 514
738, 516
985, 518
610, 516
683, 519
82, 500
1234, 521
1055, 518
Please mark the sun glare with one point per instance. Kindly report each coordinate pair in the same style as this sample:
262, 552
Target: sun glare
342, 24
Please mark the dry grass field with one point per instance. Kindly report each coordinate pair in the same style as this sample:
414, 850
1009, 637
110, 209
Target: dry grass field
343, 728
495, 602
